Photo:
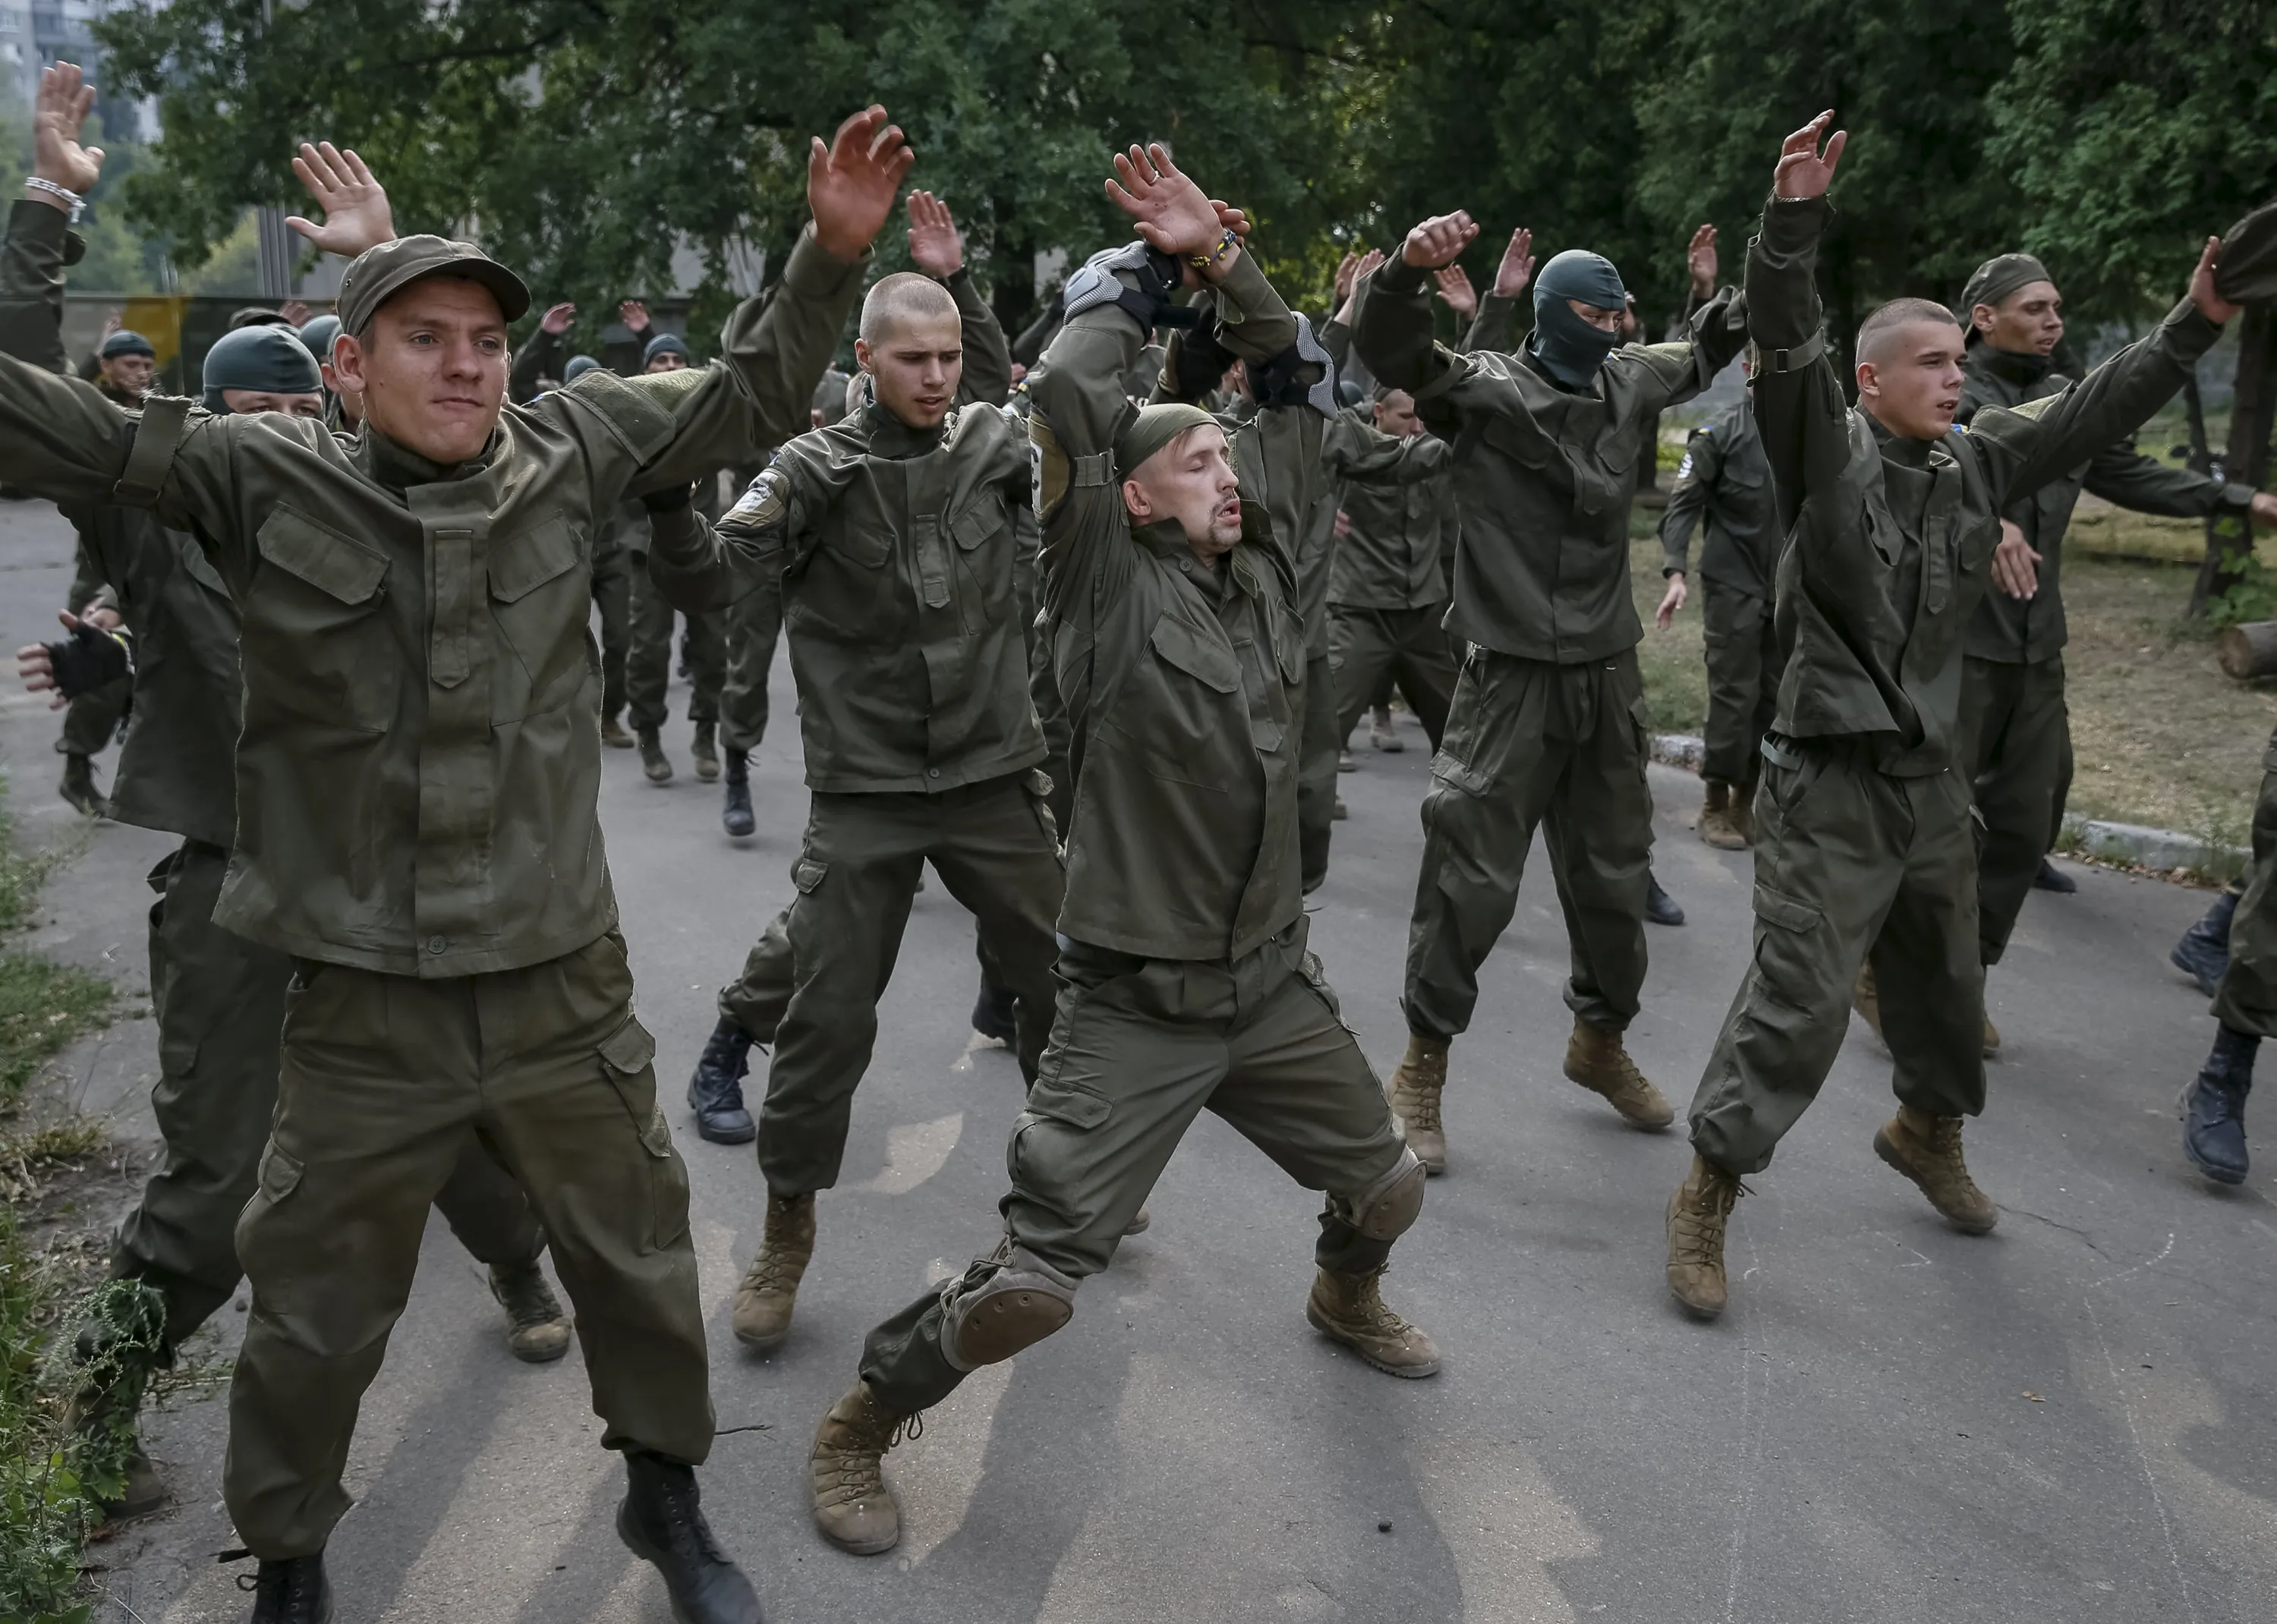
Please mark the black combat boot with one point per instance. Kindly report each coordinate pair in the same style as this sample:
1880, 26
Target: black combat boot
2203, 954
715, 1089
2214, 1107
662, 1522
736, 816
2049, 877
1659, 906
292, 1591
992, 1013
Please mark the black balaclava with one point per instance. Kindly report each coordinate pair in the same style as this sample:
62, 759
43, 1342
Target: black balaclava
268, 357
1567, 345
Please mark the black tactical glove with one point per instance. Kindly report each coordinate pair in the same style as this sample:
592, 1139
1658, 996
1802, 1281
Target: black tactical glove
671, 500
88, 658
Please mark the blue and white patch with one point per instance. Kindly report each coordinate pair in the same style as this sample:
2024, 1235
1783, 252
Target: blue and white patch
764, 502
1684, 468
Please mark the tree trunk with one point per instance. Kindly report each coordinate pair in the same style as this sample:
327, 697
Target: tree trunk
2253, 410
2248, 650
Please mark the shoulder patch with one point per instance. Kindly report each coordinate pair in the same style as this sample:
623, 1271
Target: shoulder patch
1684, 468
764, 502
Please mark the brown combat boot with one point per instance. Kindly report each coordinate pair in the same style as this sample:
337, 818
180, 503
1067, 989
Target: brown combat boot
1743, 811
853, 1508
78, 787
1991, 1040
770, 1288
536, 1330
1697, 1216
1719, 821
704, 747
1597, 1059
1414, 1096
1349, 1309
654, 762
614, 733
1927, 1149
1866, 1001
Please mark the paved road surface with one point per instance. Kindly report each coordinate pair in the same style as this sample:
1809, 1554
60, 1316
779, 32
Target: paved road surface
2069, 1420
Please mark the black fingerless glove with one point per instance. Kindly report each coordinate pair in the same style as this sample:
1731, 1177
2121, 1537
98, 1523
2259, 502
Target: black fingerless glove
88, 658
671, 500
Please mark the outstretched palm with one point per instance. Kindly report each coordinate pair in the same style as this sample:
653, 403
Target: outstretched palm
356, 212
1700, 260
852, 182
936, 248
1517, 267
1171, 212
1803, 171
64, 102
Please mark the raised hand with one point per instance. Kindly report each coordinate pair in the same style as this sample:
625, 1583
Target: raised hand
356, 212
63, 102
2210, 305
1455, 287
634, 315
1804, 171
1170, 211
852, 182
936, 248
1517, 267
1699, 260
1232, 218
1437, 240
295, 311
1348, 310
1347, 273
557, 318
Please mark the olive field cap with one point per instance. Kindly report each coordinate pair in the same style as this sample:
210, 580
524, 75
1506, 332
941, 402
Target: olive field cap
377, 273
126, 341
2246, 273
1998, 277
1155, 427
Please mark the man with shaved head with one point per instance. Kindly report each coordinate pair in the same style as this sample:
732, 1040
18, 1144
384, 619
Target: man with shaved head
1864, 845
1185, 983
897, 535
417, 824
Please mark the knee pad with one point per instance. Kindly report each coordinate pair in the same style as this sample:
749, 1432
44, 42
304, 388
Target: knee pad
1387, 1209
1013, 1309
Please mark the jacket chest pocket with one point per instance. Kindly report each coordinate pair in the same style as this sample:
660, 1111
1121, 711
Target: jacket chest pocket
1178, 709
317, 641
982, 535
541, 603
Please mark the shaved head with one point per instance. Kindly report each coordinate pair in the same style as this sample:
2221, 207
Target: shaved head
1884, 328
902, 297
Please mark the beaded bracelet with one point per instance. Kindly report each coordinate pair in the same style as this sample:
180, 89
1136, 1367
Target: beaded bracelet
70, 199
1225, 245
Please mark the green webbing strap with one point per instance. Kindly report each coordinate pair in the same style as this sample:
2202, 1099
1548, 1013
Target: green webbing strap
156, 438
1796, 359
1096, 469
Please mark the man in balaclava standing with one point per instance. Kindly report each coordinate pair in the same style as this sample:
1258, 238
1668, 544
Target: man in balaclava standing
1546, 726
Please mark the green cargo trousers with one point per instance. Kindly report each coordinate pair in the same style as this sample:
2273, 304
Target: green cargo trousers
219, 1002
1849, 860
1369, 648
612, 599
812, 984
2015, 738
1743, 678
648, 666
91, 721
2246, 1000
385, 1079
754, 625
1316, 773
1140, 1047
1531, 744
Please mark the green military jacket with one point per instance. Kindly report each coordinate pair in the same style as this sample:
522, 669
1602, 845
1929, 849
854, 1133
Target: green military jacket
2015, 630
899, 550
1183, 692
1726, 481
176, 771
1401, 502
1889, 541
1543, 474
419, 764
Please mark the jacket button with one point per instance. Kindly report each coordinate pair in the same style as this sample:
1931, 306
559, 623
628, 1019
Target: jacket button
1185, 566
438, 946
933, 773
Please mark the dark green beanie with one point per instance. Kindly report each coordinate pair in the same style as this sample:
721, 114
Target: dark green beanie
1152, 428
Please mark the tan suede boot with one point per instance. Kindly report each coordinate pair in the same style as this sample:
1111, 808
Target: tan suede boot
536, 1328
1866, 1001
1743, 811
1718, 826
1927, 1149
1991, 1039
1414, 1096
1349, 1309
853, 1508
1698, 1213
770, 1288
1597, 1059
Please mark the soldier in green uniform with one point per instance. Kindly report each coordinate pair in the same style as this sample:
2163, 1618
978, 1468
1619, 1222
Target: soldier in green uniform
1725, 481
1863, 841
896, 534
1547, 726
1183, 979
418, 775
2015, 736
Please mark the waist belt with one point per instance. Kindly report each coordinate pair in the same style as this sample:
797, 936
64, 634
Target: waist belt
1780, 751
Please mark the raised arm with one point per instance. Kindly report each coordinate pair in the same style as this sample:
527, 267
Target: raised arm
541, 357
1393, 331
2124, 476
1800, 408
937, 248
1494, 325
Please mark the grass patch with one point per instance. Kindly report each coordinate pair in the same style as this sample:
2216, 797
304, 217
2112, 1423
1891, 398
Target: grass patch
43, 1006
1674, 662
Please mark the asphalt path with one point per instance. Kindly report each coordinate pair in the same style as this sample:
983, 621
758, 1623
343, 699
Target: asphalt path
2067, 1420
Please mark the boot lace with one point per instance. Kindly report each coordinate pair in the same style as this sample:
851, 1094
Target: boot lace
526, 1297
857, 1466
781, 1260
1702, 1218
1418, 1104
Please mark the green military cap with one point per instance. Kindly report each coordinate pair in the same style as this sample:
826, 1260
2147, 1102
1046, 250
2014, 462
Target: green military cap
2246, 273
1998, 277
377, 273
1152, 428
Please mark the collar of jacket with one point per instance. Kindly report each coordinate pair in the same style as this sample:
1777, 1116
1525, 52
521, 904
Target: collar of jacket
1904, 451
2014, 367
398, 468
1166, 539
892, 439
